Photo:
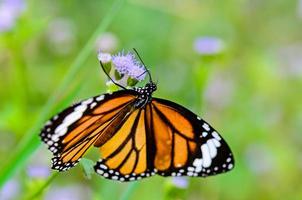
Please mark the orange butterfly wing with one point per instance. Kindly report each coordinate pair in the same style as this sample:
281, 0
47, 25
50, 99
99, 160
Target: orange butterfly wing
185, 144
163, 138
160, 138
90, 122
124, 156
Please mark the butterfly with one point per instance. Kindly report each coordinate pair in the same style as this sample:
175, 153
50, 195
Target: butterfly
138, 136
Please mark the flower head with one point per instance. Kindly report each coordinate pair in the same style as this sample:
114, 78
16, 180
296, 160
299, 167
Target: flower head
220, 90
10, 190
10, 10
107, 42
180, 182
259, 153
75, 192
126, 64
38, 171
208, 45
123, 62
137, 72
104, 57
61, 35
299, 8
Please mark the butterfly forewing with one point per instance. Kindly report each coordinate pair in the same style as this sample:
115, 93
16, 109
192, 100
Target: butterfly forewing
189, 146
70, 133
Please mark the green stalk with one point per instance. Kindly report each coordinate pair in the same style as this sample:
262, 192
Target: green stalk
30, 142
40, 190
130, 189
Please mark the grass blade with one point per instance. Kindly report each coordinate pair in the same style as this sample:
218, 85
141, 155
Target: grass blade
40, 189
129, 190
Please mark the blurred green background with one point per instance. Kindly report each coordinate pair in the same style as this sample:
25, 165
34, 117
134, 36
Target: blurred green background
236, 63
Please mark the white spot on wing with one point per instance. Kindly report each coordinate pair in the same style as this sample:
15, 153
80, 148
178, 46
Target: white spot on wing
100, 98
88, 101
190, 168
55, 138
93, 105
69, 119
198, 164
206, 126
204, 134
103, 166
230, 166
190, 173
206, 156
216, 142
212, 148
215, 135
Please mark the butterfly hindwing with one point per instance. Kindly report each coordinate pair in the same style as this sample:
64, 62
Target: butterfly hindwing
125, 155
189, 146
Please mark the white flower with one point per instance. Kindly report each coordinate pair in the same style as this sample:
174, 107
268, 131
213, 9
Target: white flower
104, 57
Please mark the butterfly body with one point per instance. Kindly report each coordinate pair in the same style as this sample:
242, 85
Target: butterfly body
145, 94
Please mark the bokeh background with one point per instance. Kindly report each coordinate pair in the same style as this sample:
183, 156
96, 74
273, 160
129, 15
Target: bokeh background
236, 63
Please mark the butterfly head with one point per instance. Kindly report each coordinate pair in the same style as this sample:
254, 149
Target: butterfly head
150, 87
144, 94
147, 90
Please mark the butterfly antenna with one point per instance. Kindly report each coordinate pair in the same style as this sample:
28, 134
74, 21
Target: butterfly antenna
110, 77
147, 70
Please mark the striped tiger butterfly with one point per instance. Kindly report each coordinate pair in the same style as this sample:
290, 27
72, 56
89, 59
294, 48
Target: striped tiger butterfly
137, 135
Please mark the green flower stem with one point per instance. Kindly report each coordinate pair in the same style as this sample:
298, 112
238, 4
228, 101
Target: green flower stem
20, 80
30, 142
129, 190
40, 189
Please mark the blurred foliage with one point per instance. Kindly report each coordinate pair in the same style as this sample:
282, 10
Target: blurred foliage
250, 91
